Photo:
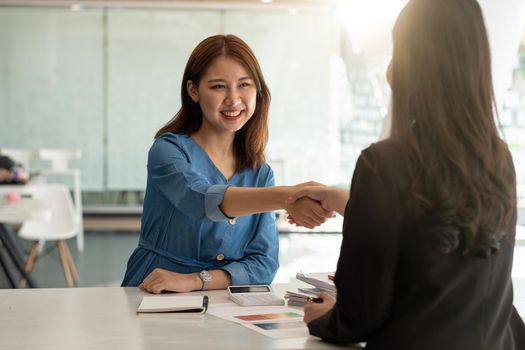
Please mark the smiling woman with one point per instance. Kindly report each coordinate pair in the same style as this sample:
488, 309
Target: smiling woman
205, 168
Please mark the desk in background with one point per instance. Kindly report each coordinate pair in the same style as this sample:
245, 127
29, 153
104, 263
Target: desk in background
106, 318
10, 248
28, 209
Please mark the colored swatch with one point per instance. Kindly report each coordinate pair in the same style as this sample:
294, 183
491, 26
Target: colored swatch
272, 326
274, 316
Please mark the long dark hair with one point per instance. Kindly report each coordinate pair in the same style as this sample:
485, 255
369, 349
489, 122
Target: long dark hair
249, 142
443, 105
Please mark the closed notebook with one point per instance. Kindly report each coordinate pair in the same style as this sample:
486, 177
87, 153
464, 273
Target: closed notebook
174, 303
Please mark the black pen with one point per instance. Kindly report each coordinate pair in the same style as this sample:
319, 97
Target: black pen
204, 303
314, 300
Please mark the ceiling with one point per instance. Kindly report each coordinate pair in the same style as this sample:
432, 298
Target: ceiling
226, 4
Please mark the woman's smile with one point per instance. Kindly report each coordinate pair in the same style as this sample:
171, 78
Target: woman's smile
232, 114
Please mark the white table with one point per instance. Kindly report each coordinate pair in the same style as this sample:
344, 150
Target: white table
29, 208
106, 318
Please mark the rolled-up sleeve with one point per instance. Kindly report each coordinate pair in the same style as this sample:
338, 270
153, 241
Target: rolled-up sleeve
175, 177
212, 201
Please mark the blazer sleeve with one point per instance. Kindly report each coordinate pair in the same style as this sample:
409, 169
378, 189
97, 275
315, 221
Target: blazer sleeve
172, 173
366, 270
261, 257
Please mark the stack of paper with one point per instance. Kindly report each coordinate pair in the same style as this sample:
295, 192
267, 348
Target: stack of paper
298, 299
320, 280
314, 291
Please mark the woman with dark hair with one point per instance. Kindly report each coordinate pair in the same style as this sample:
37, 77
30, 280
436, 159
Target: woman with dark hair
207, 174
429, 231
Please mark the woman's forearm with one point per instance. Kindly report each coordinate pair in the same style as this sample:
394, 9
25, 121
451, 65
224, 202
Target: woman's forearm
251, 200
340, 199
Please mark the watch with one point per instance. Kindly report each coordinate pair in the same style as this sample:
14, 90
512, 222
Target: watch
206, 278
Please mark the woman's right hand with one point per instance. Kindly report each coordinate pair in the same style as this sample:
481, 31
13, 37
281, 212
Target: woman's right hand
307, 212
331, 198
313, 311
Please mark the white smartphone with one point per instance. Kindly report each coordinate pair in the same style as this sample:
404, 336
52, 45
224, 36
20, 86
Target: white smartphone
254, 295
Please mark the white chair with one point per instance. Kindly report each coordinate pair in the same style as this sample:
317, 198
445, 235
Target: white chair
61, 226
59, 159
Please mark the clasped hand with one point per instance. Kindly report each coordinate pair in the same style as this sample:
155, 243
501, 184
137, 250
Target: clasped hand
305, 211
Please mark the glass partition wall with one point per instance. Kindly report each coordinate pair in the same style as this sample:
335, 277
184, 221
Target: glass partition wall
104, 79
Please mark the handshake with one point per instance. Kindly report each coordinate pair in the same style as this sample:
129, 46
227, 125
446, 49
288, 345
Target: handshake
310, 204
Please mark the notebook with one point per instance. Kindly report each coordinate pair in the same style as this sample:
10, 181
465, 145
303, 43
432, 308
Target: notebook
174, 303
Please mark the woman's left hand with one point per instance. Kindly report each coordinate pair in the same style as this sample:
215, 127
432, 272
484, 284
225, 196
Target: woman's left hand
160, 280
313, 311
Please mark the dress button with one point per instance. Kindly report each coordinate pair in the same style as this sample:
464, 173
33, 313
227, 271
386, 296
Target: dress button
231, 221
220, 257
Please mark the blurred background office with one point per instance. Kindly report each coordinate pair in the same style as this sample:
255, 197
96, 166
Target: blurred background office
100, 77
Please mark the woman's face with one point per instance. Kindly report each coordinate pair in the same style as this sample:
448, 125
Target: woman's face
226, 94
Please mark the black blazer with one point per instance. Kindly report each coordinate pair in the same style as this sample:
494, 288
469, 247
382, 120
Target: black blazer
397, 290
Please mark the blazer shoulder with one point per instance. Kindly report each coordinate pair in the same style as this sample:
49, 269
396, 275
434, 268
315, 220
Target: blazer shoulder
387, 153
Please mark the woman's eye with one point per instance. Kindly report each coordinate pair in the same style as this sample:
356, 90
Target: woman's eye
245, 84
218, 86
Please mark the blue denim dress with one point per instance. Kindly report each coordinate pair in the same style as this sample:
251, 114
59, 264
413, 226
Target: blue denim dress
183, 228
